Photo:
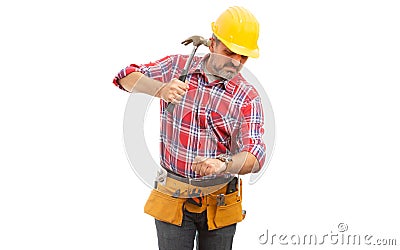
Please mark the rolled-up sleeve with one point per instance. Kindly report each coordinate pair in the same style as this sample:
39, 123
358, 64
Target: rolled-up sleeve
252, 130
161, 70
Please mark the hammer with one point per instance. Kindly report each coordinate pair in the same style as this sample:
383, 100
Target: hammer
197, 41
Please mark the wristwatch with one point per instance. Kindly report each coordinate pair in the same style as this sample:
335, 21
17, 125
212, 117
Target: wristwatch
226, 159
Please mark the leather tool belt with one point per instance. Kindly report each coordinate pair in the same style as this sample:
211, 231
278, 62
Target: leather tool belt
183, 187
171, 194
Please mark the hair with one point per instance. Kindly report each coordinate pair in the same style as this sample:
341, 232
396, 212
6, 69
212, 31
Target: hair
216, 38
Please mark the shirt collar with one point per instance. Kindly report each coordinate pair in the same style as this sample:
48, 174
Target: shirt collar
198, 68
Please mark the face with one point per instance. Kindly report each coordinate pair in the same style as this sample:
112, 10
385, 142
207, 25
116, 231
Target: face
223, 62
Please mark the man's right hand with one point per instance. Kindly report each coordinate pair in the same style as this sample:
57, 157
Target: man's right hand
173, 91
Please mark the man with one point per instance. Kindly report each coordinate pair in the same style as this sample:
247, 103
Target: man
215, 129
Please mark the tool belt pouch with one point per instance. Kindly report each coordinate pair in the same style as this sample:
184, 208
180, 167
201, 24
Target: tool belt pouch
164, 207
227, 214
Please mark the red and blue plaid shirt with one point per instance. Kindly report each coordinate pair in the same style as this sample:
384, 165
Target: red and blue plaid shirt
218, 117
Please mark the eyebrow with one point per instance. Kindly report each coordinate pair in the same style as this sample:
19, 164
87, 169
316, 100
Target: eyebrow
228, 51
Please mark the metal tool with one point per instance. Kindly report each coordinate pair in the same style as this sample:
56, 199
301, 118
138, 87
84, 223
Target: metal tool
196, 197
220, 200
176, 193
197, 41
232, 186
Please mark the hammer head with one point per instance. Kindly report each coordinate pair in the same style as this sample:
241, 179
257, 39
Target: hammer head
197, 41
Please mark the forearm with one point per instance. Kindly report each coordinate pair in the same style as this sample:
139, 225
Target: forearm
138, 83
172, 91
243, 163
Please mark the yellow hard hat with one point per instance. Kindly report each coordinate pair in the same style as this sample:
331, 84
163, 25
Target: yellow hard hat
238, 29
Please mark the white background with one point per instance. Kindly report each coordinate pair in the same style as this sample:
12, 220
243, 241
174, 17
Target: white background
331, 71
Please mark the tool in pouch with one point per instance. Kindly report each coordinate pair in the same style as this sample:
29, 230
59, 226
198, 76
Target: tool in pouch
183, 187
231, 188
196, 196
221, 200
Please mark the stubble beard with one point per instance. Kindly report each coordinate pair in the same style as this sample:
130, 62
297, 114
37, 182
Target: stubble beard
224, 73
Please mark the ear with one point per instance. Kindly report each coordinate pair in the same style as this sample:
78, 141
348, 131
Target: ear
212, 45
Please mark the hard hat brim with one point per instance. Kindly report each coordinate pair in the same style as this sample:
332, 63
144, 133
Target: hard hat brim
255, 53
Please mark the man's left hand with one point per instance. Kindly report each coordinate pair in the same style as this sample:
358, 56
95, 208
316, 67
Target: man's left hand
207, 166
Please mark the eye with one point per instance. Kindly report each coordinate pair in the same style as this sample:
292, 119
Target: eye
229, 53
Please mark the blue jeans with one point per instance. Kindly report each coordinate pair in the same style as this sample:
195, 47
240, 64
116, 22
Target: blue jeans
172, 237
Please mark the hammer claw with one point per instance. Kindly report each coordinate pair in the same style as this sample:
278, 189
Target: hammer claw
196, 40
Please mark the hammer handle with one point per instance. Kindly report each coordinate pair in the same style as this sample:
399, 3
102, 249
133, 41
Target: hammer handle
182, 77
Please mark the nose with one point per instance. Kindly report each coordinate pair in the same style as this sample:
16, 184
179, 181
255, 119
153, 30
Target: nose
238, 59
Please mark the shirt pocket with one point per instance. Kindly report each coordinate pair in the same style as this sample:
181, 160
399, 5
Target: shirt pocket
219, 126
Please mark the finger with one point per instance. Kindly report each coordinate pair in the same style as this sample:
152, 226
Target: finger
171, 98
197, 168
174, 92
183, 86
174, 101
203, 170
197, 164
180, 84
207, 167
180, 92
210, 171
212, 168
194, 166
178, 98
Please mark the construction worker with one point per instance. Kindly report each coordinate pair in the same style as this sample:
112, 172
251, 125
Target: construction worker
215, 129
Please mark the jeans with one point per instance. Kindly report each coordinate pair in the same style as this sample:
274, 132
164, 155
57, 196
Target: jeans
172, 237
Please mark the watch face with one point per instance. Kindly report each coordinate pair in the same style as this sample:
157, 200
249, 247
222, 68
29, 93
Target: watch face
224, 158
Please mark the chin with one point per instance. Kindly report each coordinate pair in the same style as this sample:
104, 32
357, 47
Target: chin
228, 75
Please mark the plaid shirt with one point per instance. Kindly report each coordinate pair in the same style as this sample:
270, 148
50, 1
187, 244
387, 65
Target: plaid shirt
218, 117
